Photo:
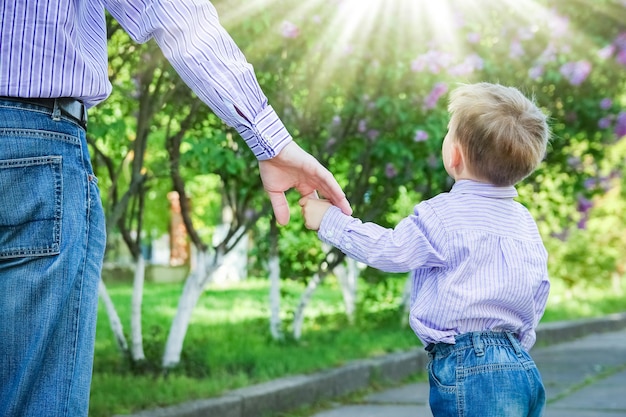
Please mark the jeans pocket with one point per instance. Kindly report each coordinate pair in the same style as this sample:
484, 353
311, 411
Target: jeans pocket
31, 199
442, 373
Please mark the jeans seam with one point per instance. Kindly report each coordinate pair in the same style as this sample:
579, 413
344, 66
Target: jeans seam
78, 300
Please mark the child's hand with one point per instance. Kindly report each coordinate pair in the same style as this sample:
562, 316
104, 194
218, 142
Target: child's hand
313, 210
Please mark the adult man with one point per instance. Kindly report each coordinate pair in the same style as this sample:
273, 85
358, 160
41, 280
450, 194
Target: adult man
53, 66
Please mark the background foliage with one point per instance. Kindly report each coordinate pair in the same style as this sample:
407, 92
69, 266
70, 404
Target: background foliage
363, 86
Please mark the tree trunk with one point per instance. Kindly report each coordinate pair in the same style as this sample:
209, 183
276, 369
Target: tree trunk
189, 298
348, 277
274, 275
273, 267
298, 319
114, 318
135, 319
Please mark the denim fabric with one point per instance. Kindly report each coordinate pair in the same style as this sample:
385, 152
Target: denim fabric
52, 241
485, 374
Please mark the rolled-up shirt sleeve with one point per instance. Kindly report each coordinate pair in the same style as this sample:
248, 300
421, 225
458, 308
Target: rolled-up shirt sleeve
208, 60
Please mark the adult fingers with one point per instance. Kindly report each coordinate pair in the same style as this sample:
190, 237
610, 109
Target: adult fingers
280, 207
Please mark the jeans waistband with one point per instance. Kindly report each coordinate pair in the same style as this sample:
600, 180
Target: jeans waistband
476, 341
70, 107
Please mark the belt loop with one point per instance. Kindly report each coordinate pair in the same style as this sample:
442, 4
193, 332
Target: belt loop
84, 115
478, 344
515, 343
431, 350
56, 111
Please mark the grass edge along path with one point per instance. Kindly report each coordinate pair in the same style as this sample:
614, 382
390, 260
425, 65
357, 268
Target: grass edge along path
295, 397
124, 392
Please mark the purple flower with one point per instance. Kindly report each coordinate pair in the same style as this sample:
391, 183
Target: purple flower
620, 125
548, 54
390, 170
535, 72
604, 123
420, 136
574, 162
576, 72
606, 103
584, 205
606, 52
289, 30
433, 161
558, 25
373, 134
473, 37
336, 120
249, 213
434, 61
470, 64
433, 97
516, 49
621, 57
620, 41
362, 127
590, 183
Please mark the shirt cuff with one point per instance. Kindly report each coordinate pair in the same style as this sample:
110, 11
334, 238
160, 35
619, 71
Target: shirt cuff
332, 227
266, 135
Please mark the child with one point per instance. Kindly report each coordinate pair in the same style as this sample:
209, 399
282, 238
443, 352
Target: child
477, 261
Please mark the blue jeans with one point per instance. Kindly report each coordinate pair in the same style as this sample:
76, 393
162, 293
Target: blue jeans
485, 374
52, 240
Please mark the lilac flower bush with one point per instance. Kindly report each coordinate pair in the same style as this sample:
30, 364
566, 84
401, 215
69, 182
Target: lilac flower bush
372, 105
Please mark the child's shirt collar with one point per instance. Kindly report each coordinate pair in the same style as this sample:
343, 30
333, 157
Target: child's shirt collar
483, 189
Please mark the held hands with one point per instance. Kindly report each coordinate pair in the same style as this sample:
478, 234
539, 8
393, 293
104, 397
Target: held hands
295, 168
313, 210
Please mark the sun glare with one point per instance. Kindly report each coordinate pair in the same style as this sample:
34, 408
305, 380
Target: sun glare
421, 33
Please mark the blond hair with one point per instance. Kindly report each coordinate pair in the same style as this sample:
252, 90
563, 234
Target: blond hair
502, 133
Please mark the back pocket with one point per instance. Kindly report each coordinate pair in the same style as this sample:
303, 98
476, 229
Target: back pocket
31, 200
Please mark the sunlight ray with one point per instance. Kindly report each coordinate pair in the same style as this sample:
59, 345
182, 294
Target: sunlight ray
338, 30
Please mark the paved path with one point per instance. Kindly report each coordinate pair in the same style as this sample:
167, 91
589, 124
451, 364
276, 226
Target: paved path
585, 377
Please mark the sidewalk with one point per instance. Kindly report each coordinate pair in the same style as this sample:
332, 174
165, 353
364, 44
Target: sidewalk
583, 378
583, 365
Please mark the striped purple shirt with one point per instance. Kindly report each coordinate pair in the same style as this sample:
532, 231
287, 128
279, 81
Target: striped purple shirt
475, 255
58, 48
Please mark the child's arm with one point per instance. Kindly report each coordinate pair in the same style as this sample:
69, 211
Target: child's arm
412, 244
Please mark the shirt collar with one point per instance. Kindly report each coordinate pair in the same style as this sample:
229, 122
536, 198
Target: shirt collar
483, 189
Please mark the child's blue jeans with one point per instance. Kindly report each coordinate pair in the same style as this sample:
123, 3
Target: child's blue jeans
485, 374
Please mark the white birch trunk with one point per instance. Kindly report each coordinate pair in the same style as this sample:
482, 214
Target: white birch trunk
274, 275
616, 282
298, 319
114, 318
186, 304
137, 352
348, 277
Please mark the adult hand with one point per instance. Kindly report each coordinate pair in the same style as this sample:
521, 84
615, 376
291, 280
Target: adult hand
295, 168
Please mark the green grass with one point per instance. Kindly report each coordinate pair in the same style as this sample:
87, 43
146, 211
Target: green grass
228, 344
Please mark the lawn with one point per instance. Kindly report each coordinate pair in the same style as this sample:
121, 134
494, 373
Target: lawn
228, 343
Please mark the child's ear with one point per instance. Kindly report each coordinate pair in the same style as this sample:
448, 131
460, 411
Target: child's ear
455, 156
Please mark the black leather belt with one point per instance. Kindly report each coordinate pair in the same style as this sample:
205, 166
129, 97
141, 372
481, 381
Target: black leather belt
70, 107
